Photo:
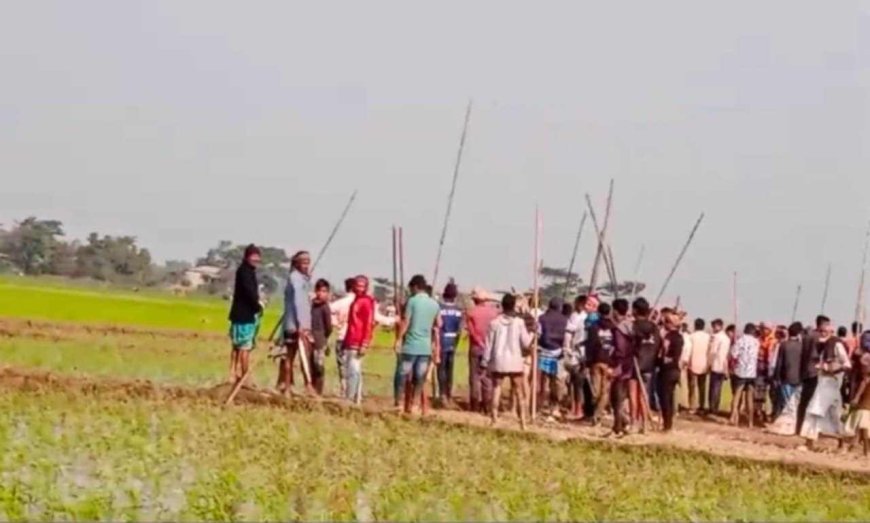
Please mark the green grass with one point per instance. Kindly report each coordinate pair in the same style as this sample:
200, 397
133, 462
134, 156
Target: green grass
194, 362
76, 456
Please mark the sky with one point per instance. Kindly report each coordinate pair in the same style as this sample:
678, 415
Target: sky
184, 123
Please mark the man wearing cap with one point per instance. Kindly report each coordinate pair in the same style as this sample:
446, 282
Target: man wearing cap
477, 321
297, 316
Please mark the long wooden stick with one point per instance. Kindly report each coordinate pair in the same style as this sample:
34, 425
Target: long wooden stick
574, 255
452, 193
827, 286
593, 279
614, 281
679, 259
402, 282
599, 233
334, 231
395, 269
535, 306
303, 357
859, 305
734, 298
644, 396
797, 300
636, 272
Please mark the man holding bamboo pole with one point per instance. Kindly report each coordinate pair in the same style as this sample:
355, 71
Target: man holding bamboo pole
297, 321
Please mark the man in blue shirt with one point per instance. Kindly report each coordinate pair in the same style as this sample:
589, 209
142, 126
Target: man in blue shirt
451, 327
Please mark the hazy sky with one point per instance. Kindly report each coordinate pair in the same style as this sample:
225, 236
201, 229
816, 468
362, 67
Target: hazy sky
184, 123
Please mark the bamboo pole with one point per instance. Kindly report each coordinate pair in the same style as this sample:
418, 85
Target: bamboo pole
679, 259
334, 231
452, 193
574, 255
797, 299
637, 273
827, 286
614, 281
536, 306
859, 305
402, 282
593, 279
734, 299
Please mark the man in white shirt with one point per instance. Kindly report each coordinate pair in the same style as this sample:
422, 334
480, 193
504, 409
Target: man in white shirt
575, 352
698, 366
340, 309
717, 356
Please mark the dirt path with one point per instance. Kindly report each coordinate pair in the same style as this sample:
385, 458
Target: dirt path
709, 437
62, 331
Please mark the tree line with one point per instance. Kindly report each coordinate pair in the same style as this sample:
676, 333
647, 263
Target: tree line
35, 247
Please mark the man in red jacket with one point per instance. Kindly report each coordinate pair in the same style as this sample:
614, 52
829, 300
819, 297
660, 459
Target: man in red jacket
360, 328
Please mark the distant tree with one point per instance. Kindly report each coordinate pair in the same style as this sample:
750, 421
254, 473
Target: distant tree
31, 243
115, 259
553, 284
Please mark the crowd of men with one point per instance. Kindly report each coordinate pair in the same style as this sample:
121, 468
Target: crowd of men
592, 360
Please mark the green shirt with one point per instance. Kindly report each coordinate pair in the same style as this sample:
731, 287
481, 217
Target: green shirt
420, 313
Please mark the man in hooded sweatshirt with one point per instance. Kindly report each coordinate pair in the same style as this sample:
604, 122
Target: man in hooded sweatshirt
552, 335
358, 338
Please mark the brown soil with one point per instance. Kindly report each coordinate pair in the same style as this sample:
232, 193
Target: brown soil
691, 434
63, 331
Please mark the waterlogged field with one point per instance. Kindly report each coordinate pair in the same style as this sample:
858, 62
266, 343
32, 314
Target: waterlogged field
69, 455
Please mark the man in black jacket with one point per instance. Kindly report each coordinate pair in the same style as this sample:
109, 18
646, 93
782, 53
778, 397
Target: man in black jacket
244, 313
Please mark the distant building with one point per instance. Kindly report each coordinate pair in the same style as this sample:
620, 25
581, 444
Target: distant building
202, 275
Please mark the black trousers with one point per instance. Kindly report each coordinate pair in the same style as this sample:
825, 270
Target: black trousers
808, 389
618, 394
668, 381
445, 374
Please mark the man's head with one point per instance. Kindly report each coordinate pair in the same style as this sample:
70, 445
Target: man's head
717, 325
348, 284
479, 295
795, 329
301, 261
450, 292
671, 321
555, 305
580, 303
826, 331
620, 308
856, 328
418, 284
766, 329
699, 324
252, 255
731, 331
842, 332
360, 285
750, 329
640, 308
567, 309
508, 303
321, 290
821, 321
604, 310
591, 303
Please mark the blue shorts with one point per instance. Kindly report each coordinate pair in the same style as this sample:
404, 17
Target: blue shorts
549, 366
416, 366
242, 335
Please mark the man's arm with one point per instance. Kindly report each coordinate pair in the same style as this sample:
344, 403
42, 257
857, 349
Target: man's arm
403, 323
